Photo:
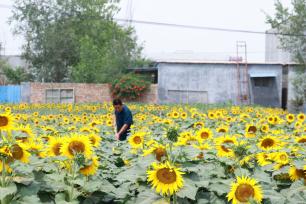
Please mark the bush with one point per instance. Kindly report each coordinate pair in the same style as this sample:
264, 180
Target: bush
129, 86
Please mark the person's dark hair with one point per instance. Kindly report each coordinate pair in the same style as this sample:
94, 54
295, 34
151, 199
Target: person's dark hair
117, 101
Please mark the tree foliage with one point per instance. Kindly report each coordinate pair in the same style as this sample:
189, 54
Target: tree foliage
14, 75
74, 40
291, 24
129, 86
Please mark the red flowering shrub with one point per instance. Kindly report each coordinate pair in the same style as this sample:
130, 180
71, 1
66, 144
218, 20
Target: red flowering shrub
129, 86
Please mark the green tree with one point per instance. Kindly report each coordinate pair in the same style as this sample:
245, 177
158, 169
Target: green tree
74, 40
14, 75
291, 24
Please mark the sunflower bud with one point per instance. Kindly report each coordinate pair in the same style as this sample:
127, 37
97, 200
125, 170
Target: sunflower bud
172, 134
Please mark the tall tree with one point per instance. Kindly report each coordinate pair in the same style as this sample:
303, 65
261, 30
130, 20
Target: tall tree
74, 40
291, 24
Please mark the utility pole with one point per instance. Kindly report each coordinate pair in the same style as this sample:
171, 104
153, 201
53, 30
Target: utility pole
242, 74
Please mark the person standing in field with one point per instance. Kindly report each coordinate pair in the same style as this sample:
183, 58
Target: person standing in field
124, 119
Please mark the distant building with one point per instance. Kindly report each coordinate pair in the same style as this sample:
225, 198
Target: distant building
274, 53
14, 60
218, 82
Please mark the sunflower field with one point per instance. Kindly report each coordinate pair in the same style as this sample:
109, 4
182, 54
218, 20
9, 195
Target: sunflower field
63, 153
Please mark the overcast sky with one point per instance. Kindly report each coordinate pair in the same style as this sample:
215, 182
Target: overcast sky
168, 42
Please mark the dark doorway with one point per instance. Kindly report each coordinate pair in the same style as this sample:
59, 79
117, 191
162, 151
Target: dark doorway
284, 98
265, 91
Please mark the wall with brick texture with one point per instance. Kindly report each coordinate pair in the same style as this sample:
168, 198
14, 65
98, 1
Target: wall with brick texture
83, 93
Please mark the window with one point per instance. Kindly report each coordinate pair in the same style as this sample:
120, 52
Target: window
59, 96
262, 81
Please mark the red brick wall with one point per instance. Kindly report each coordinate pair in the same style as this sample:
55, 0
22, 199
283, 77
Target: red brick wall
85, 93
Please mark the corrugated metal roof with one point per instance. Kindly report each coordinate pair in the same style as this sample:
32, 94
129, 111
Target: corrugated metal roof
219, 62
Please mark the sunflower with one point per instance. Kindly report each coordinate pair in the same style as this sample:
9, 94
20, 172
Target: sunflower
54, 147
301, 117
222, 146
246, 160
290, 118
271, 120
296, 174
91, 168
19, 152
211, 115
250, 130
175, 114
268, 142
26, 131
183, 115
301, 140
109, 123
85, 130
222, 129
158, 150
137, 140
95, 140
282, 158
185, 138
165, 178
263, 159
6, 121
201, 146
50, 129
76, 144
36, 148
166, 121
204, 134
245, 189
265, 128
198, 125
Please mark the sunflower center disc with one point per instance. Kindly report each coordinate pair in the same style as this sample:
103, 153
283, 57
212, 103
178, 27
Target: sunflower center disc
225, 148
76, 147
137, 140
300, 173
222, 130
56, 149
159, 153
204, 135
17, 152
303, 140
3, 121
283, 157
252, 129
267, 143
244, 192
166, 176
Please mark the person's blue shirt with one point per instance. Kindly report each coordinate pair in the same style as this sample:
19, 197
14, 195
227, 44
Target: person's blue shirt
124, 117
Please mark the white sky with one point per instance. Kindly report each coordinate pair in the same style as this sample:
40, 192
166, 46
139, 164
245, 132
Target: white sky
168, 42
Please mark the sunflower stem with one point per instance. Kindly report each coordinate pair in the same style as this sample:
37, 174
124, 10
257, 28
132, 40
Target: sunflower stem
170, 147
3, 173
72, 183
174, 198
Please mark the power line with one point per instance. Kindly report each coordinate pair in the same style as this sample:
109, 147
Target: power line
195, 26
206, 28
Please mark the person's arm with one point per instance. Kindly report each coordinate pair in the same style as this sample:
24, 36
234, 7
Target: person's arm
123, 129
127, 122
114, 124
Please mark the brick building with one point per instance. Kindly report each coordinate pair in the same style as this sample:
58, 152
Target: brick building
74, 93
